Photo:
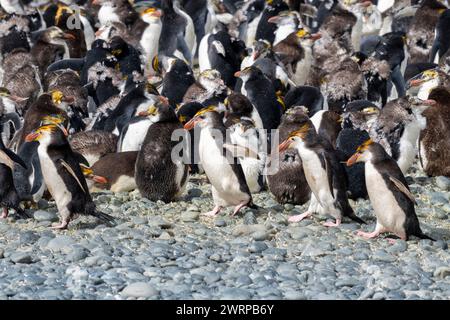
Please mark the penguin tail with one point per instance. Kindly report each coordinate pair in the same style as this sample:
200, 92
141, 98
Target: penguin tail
422, 235
105, 218
355, 218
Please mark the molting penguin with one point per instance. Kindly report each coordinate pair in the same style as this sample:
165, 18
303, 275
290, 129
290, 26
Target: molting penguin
93, 145
114, 171
389, 193
434, 140
287, 22
288, 184
228, 183
208, 89
158, 176
324, 174
63, 176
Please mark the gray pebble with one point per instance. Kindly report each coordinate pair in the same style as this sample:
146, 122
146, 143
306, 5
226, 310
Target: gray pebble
257, 247
260, 235
249, 218
443, 183
220, 222
61, 244
21, 257
190, 216
139, 290
41, 215
442, 272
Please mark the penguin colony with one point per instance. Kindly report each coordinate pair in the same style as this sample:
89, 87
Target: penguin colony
92, 93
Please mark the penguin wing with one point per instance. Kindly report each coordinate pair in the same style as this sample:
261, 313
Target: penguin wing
402, 188
328, 169
72, 173
8, 158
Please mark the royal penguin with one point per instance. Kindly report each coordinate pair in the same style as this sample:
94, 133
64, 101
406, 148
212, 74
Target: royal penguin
287, 22
325, 176
422, 84
94, 144
116, 11
149, 41
177, 80
434, 140
228, 184
63, 176
328, 125
208, 88
389, 194
244, 134
265, 29
309, 97
9, 197
288, 184
159, 176
114, 171
295, 52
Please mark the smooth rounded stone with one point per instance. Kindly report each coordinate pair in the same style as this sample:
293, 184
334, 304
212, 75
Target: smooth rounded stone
443, 183
77, 254
288, 207
446, 208
220, 222
140, 220
159, 222
298, 233
366, 294
442, 272
234, 294
41, 215
317, 249
194, 192
211, 277
242, 281
260, 235
34, 280
245, 230
361, 255
43, 204
257, 247
382, 255
21, 257
438, 198
249, 218
139, 290
396, 295
28, 237
399, 246
391, 283
190, 216
61, 244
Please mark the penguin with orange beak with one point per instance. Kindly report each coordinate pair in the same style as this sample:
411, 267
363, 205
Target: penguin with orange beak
228, 184
63, 176
389, 194
324, 173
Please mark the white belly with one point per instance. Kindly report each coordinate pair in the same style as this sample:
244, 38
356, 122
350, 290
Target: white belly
106, 14
408, 144
386, 208
124, 184
302, 69
203, 59
135, 135
149, 43
251, 31
282, 33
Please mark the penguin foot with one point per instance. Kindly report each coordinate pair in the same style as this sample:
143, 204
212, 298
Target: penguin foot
4, 213
368, 235
332, 224
213, 212
300, 217
239, 207
61, 226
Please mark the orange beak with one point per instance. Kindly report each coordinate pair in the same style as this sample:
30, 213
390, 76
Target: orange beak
142, 114
284, 145
31, 137
69, 36
157, 13
99, 179
191, 124
416, 82
237, 74
316, 36
353, 159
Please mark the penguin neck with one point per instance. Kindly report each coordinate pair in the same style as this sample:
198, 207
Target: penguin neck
150, 41
284, 31
426, 88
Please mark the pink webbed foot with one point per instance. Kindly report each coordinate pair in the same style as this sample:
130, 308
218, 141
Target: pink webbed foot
300, 217
213, 212
4, 213
61, 226
368, 235
238, 208
332, 224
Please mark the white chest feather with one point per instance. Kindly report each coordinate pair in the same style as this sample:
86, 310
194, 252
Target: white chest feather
124, 184
203, 59
107, 14
135, 135
317, 119
408, 143
150, 39
386, 208
282, 32
303, 67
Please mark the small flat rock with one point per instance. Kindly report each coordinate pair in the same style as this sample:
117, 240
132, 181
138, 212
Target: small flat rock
347, 282
235, 294
442, 272
77, 255
21, 257
139, 290
61, 244
42, 215
245, 230
189, 216
159, 222
257, 247
249, 218
443, 183
260, 235
298, 233
220, 222
383, 256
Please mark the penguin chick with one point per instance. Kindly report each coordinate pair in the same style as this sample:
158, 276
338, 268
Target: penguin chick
94, 144
9, 197
208, 85
227, 178
245, 134
325, 176
389, 194
63, 176
159, 176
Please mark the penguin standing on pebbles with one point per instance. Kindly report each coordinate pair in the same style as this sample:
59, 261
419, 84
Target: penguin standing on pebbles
158, 176
325, 176
389, 194
63, 176
227, 178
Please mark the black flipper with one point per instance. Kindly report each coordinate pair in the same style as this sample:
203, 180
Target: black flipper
76, 64
14, 157
105, 218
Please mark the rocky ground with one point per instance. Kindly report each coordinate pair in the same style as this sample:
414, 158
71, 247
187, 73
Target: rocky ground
170, 251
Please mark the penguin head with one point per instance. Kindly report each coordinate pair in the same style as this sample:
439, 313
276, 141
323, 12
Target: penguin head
426, 77
60, 100
300, 137
238, 103
56, 119
158, 112
418, 106
304, 38
363, 153
207, 117
261, 49
48, 135
55, 35
151, 15
441, 95
249, 73
211, 80
359, 113
187, 111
